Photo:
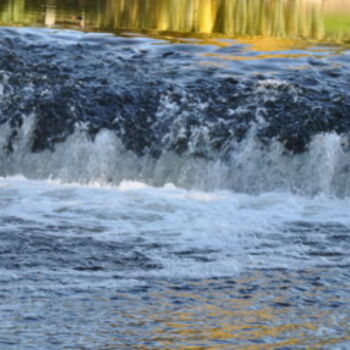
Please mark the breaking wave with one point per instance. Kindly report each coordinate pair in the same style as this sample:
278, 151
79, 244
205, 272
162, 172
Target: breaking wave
103, 109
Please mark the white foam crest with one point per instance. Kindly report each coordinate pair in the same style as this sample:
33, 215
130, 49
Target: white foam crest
199, 234
321, 169
251, 167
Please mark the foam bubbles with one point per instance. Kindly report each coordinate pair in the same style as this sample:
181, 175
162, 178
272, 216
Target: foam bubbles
179, 233
249, 167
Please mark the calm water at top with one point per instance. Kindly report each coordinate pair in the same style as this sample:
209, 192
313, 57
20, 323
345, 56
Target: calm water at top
268, 24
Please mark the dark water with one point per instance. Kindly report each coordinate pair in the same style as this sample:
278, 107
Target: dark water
179, 183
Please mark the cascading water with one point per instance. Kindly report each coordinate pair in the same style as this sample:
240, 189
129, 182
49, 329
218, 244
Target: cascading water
81, 115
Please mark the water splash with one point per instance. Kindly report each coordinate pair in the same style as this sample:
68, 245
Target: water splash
194, 126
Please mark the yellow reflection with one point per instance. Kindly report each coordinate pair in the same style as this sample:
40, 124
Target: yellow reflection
292, 19
223, 317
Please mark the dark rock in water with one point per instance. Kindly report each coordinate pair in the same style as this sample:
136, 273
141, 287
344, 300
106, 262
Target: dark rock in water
155, 103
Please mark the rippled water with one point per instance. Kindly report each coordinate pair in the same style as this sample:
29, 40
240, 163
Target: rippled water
182, 186
135, 266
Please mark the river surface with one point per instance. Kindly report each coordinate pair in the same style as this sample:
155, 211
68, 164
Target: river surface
174, 174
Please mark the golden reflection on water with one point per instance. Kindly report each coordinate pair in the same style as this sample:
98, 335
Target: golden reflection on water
246, 317
293, 19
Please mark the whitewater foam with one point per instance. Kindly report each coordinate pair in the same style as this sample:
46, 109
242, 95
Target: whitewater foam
248, 168
189, 234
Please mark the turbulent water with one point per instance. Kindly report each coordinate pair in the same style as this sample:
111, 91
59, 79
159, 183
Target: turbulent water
86, 108
155, 195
